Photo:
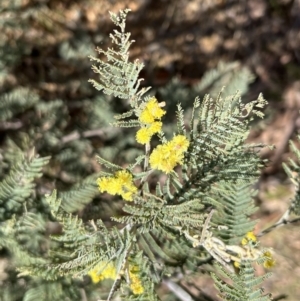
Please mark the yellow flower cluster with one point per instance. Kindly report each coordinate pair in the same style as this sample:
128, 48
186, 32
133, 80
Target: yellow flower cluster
102, 271
270, 261
151, 111
136, 284
249, 238
121, 183
108, 270
150, 116
166, 156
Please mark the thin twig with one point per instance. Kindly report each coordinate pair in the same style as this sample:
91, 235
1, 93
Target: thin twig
86, 134
83, 295
205, 226
168, 18
6, 125
282, 221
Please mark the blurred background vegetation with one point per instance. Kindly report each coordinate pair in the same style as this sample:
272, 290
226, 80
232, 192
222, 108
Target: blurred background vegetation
189, 48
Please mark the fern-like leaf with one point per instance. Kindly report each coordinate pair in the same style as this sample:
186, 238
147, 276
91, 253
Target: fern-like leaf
19, 184
15, 102
77, 197
232, 76
293, 171
243, 286
118, 76
237, 206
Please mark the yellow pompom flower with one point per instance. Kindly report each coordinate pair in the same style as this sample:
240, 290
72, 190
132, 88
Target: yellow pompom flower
135, 281
136, 286
180, 143
146, 116
166, 156
103, 183
143, 135
155, 127
249, 237
121, 183
103, 271
270, 261
109, 184
236, 264
160, 159
151, 111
